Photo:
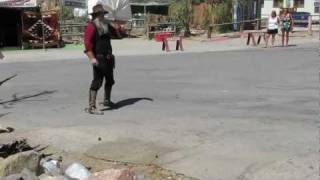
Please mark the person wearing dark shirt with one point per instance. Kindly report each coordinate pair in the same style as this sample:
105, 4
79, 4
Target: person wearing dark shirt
97, 40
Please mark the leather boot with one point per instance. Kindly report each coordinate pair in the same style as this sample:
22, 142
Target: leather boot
107, 97
92, 103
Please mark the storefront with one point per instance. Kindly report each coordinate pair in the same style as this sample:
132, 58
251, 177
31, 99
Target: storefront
24, 25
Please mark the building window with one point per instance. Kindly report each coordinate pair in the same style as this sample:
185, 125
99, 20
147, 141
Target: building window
277, 3
262, 3
316, 7
298, 3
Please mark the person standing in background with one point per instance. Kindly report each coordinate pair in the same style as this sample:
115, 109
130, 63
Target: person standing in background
273, 25
287, 26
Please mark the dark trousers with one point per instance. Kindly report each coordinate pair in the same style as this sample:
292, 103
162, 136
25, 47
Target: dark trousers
103, 71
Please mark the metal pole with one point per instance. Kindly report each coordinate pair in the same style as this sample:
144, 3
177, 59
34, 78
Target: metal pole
60, 19
42, 23
22, 26
43, 35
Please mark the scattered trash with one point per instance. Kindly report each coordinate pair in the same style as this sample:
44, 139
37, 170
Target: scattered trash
77, 171
113, 174
13, 148
20, 161
51, 167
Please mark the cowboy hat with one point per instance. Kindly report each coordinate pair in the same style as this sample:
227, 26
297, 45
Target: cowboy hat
97, 9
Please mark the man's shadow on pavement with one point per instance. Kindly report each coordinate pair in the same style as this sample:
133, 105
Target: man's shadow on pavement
125, 102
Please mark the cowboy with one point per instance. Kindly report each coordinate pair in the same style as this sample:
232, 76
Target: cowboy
97, 40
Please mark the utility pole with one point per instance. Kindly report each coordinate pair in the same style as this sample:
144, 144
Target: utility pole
42, 22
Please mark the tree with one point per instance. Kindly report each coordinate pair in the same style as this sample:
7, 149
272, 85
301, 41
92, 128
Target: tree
181, 12
219, 11
66, 13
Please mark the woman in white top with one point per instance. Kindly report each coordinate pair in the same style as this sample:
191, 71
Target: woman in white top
273, 25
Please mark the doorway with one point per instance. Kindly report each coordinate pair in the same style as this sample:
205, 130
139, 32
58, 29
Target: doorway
10, 27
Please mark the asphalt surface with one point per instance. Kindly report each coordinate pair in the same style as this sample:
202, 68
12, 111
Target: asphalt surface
245, 115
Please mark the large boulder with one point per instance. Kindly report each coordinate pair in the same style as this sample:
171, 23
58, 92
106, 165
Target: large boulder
14, 164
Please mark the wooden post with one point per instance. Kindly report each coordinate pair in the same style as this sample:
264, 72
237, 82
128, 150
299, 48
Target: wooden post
310, 25
180, 43
146, 23
209, 31
165, 45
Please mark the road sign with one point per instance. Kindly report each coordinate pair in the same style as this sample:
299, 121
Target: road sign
76, 3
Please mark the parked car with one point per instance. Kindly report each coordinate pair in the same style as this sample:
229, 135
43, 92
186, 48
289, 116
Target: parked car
301, 18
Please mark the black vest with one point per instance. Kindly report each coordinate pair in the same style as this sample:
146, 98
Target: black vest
102, 44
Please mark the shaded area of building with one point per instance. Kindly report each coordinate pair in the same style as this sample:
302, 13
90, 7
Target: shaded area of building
10, 27
28, 24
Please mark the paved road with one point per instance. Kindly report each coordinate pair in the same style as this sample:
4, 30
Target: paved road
246, 115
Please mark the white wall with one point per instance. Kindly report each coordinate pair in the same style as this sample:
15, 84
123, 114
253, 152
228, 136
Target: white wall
268, 7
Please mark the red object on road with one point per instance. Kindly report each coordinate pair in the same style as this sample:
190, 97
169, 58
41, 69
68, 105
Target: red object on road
160, 37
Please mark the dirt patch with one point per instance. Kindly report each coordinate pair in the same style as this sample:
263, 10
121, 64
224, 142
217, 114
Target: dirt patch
129, 150
136, 155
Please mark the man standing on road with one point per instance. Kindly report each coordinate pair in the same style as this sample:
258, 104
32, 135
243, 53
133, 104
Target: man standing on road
97, 40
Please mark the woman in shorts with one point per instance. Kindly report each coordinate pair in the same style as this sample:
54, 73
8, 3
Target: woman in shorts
287, 24
273, 25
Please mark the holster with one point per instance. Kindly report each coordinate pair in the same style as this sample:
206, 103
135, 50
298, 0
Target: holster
106, 61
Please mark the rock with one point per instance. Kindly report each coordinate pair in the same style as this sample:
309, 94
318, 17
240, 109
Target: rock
25, 175
77, 171
47, 177
113, 174
13, 177
51, 167
6, 129
16, 163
